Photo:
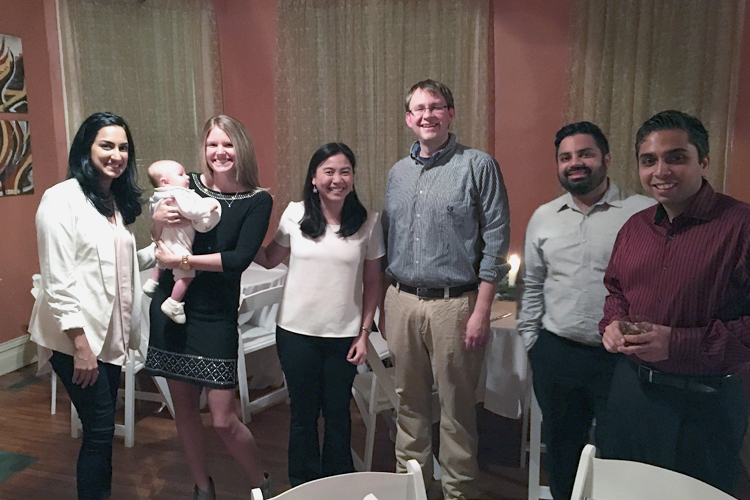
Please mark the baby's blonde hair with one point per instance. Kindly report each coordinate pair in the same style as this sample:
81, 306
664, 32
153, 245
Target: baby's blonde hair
154, 170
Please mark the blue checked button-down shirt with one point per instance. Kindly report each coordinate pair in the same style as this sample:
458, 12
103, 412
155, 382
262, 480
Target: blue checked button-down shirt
446, 219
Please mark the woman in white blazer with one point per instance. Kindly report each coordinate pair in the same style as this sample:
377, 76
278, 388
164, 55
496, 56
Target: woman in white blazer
86, 312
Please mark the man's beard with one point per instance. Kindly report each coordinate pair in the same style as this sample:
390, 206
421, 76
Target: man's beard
582, 185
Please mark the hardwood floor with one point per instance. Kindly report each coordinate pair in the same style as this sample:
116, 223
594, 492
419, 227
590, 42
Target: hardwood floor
155, 469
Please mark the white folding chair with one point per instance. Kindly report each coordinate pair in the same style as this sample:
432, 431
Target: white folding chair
256, 334
374, 392
535, 448
136, 362
624, 480
131, 392
358, 485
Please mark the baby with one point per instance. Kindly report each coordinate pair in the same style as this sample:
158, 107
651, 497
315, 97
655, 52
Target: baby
171, 182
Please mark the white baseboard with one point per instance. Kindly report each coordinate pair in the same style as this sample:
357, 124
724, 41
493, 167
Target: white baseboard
16, 353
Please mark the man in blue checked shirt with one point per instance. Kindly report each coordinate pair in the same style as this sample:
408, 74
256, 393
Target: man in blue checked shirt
447, 226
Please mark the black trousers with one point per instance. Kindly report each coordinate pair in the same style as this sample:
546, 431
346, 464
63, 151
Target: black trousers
96, 409
319, 378
571, 382
694, 433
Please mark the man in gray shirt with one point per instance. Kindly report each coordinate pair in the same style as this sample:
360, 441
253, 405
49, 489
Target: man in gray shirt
568, 244
447, 227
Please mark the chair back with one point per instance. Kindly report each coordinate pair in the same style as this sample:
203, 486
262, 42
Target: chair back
384, 376
358, 485
624, 480
261, 303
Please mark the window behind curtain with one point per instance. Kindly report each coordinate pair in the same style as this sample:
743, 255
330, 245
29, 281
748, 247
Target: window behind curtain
155, 63
345, 67
630, 60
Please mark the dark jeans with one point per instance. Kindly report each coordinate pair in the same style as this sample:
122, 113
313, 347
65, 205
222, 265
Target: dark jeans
96, 409
697, 434
571, 383
319, 378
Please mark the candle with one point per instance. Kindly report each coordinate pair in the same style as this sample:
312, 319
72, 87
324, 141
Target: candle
515, 262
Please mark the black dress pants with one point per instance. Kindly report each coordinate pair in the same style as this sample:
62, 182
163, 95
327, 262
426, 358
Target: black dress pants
571, 383
96, 408
695, 433
319, 378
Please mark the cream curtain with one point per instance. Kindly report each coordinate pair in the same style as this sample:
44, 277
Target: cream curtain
344, 67
631, 59
155, 63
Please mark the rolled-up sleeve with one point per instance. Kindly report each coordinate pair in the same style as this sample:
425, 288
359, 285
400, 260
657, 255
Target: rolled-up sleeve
494, 222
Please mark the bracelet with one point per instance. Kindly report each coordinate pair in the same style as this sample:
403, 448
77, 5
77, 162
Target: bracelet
366, 329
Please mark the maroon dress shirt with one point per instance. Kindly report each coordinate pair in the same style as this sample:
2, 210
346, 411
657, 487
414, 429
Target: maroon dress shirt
692, 274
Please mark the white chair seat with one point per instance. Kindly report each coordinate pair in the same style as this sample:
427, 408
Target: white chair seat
625, 480
358, 485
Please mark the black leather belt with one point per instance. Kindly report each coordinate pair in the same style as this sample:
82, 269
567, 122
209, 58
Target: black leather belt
437, 293
694, 383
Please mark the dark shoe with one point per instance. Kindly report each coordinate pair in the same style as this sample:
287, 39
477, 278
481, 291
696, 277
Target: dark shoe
205, 495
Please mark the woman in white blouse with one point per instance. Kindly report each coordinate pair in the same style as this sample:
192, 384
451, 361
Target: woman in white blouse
86, 313
330, 297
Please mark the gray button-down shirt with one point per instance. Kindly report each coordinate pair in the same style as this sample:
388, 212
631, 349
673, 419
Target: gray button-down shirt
566, 254
446, 218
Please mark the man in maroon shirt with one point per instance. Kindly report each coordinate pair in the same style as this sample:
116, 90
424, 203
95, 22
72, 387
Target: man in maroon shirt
676, 400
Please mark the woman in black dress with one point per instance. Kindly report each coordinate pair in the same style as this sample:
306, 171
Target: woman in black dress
203, 351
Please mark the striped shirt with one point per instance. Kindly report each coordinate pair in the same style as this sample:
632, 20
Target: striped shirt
446, 219
692, 274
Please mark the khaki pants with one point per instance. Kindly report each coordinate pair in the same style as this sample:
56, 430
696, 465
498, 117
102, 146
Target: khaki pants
426, 340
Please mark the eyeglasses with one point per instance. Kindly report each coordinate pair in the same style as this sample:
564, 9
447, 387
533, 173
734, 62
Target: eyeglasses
435, 110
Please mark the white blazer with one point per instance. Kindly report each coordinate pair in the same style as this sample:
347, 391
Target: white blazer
78, 284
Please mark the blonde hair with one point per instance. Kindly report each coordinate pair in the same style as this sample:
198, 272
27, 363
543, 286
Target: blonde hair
245, 163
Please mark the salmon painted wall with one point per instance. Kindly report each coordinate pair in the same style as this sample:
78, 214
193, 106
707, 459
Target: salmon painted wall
247, 48
531, 55
34, 22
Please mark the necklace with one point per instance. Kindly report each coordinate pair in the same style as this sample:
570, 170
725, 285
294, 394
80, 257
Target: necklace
218, 195
229, 202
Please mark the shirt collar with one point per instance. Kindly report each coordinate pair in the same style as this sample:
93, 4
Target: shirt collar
437, 156
701, 208
613, 197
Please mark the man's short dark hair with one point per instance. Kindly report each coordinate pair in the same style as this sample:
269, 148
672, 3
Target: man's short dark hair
675, 120
586, 128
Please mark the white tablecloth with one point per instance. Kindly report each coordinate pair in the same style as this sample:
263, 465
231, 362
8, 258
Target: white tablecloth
505, 379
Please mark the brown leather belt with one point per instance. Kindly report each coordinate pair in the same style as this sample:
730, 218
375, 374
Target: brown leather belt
437, 293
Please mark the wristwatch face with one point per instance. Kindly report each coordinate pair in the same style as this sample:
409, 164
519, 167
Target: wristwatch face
185, 265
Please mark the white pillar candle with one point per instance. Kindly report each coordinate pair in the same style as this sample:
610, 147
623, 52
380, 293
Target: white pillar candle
515, 262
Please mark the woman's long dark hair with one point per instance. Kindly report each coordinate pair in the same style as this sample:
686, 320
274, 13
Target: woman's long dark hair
126, 193
353, 213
